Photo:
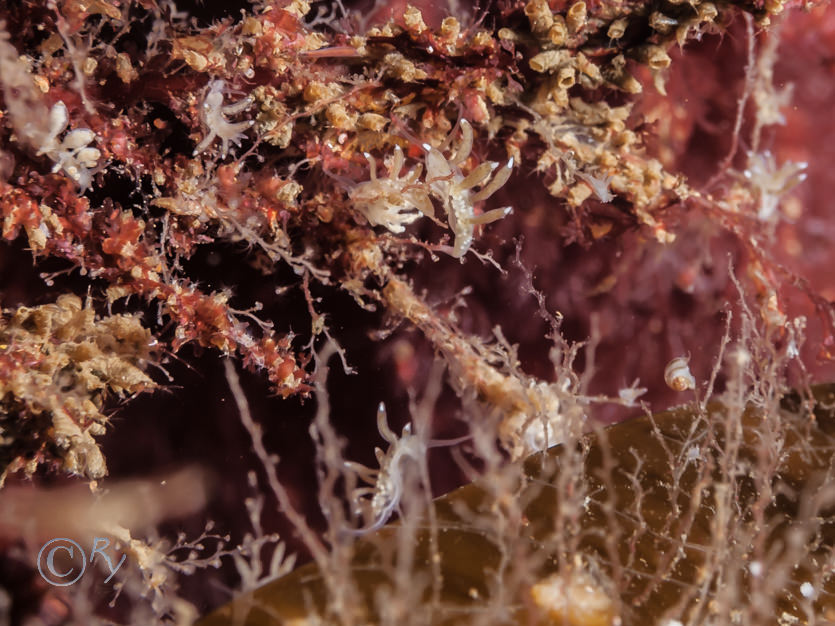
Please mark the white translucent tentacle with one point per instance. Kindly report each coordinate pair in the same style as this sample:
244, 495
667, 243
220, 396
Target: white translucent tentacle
491, 216
397, 163
372, 166
466, 145
494, 185
477, 176
382, 425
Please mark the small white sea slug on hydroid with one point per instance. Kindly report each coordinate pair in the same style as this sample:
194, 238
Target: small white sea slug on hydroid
455, 191
392, 201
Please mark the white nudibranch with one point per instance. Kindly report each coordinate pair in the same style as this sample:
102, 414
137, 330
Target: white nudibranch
455, 191
677, 375
72, 154
213, 113
771, 182
393, 201
599, 185
396, 201
380, 500
629, 395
